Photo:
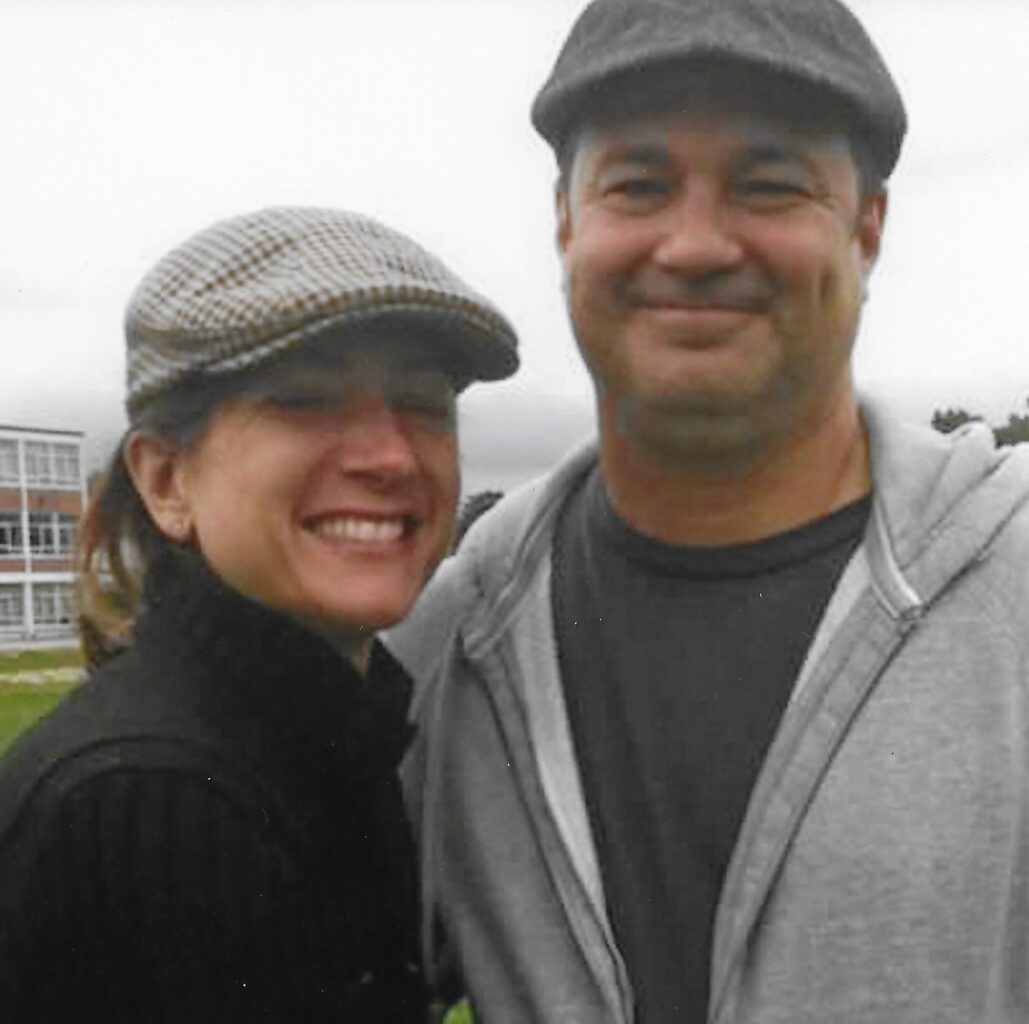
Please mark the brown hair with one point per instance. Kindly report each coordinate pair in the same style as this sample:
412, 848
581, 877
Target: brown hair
117, 538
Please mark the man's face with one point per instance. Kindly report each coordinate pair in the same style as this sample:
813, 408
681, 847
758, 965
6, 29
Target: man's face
715, 270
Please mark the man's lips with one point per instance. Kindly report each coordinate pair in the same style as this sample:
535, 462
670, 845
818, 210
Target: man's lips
702, 295
677, 305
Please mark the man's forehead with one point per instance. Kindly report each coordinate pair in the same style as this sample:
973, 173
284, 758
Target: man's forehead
656, 133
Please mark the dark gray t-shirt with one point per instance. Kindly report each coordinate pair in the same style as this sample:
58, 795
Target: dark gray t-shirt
677, 663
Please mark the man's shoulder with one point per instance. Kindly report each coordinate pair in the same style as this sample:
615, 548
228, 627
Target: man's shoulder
498, 553
463, 585
962, 510
1010, 544
929, 483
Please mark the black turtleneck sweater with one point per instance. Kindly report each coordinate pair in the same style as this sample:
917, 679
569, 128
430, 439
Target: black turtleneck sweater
211, 829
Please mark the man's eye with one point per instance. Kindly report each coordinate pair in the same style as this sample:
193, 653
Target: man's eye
639, 187
772, 187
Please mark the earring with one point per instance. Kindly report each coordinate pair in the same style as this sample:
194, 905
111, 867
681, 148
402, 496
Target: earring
179, 529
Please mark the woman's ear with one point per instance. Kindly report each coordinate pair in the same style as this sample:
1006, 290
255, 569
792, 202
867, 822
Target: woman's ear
156, 469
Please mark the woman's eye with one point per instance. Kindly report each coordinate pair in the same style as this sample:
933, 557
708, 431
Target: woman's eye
301, 402
435, 402
435, 410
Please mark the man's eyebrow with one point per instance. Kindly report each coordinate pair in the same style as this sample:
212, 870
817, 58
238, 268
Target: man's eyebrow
639, 152
774, 153
623, 153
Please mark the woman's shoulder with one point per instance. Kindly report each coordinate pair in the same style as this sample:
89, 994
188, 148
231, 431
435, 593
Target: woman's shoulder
120, 832
120, 737
121, 699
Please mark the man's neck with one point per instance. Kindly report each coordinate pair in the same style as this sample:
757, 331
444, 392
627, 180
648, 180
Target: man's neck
820, 470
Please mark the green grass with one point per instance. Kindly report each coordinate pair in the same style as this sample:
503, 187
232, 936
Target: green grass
21, 703
33, 661
460, 1013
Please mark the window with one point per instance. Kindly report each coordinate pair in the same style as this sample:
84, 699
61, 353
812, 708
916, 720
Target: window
37, 462
53, 604
9, 462
66, 465
66, 530
52, 533
10, 533
51, 464
43, 533
12, 605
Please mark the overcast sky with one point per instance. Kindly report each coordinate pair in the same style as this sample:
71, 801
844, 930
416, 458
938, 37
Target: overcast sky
127, 126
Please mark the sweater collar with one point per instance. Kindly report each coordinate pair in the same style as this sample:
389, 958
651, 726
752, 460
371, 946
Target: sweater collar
266, 681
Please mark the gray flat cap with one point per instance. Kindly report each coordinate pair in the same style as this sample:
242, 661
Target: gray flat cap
814, 43
254, 286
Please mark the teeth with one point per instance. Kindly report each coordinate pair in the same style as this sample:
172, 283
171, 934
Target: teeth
362, 531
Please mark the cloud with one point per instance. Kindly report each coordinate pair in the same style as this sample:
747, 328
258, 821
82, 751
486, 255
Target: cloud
34, 297
508, 437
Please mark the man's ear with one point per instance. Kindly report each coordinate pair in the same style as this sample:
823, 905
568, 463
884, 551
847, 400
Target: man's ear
871, 220
156, 469
564, 220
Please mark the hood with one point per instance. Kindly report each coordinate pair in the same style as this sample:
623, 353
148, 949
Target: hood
939, 502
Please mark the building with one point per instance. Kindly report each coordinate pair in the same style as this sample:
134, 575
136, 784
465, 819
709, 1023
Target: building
42, 494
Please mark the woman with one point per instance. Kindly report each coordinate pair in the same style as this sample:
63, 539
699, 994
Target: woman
210, 829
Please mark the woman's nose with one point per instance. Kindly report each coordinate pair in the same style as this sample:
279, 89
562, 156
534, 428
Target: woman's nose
375, 439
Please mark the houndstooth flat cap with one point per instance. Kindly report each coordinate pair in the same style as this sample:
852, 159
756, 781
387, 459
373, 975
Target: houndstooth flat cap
254, 286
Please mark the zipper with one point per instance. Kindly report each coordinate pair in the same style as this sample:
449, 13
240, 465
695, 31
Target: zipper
536, 724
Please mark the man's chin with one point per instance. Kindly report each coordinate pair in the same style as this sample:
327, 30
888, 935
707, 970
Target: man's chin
706, 434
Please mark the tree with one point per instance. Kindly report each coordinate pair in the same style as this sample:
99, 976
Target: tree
948, 419
473, 507
1014, 431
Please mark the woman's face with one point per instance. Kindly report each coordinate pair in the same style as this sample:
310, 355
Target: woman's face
328, 493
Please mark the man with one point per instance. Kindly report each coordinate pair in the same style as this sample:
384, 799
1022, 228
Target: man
725, 720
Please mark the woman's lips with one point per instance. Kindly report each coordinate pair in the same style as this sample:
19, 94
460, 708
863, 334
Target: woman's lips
361, 529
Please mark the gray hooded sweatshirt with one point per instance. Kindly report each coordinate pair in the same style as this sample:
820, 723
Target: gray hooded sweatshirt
881, 874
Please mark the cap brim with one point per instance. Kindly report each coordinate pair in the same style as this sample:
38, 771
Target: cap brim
463, 342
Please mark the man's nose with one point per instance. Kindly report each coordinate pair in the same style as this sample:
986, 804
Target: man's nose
699, 233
